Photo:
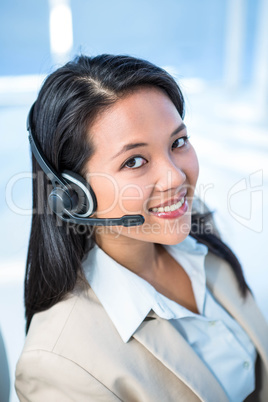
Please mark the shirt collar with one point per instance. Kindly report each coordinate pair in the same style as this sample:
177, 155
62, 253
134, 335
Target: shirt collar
128, 298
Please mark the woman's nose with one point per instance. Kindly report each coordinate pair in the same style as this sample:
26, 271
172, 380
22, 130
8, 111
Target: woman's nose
169, 175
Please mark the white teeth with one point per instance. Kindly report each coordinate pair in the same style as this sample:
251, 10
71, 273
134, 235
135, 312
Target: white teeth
169, 208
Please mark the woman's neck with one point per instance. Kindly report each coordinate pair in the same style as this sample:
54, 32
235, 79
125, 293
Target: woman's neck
153, 263
140, 257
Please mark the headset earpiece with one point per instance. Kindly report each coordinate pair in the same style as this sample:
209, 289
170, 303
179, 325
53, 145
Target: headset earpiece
86, 203
61, 199
77, 197
72, 198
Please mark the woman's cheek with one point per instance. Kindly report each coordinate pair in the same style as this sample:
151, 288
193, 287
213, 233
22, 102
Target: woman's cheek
194, 168
107, 193
131, 198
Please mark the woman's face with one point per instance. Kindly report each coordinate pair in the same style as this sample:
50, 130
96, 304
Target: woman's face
143, 164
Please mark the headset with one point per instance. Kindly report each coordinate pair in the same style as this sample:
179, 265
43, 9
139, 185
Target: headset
72, 198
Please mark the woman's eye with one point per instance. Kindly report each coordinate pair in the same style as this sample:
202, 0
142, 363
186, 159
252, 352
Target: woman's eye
135, 162
180, 142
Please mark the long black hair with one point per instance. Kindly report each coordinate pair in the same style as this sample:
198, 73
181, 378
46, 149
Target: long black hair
69, 101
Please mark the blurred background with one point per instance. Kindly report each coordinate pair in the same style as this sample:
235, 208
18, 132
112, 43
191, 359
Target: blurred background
218, 52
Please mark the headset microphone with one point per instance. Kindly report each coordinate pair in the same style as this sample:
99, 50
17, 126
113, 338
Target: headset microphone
126, 220
72, 198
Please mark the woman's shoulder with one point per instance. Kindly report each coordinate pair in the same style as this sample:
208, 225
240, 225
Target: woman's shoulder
58, 359
76, 310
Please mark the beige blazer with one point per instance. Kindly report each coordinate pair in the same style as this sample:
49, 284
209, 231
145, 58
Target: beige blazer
74, 353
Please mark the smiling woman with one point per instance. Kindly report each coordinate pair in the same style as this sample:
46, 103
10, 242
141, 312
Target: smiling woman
152, 307
164, 169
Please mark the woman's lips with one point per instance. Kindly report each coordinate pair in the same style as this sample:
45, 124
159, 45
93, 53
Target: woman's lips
171, 211
173, 200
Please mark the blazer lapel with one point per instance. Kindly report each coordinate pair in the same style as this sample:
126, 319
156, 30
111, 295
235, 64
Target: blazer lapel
168, 346
223, 284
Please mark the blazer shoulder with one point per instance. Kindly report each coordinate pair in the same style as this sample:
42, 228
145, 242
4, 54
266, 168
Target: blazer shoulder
46, 376
222, 282
47, 326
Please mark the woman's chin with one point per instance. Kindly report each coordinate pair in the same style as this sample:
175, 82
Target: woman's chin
172, 240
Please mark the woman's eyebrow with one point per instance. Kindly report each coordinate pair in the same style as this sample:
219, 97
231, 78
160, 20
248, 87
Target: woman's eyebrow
130, 146
181, 127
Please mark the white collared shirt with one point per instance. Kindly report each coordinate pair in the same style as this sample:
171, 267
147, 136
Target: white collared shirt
213, 334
